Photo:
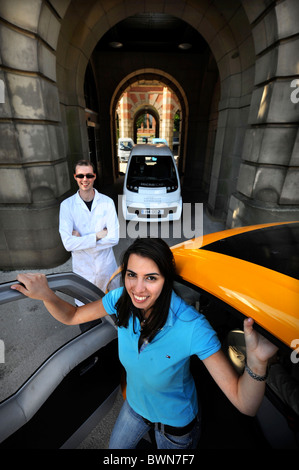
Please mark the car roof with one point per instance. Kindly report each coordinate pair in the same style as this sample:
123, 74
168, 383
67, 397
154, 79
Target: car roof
151, 149
253, 269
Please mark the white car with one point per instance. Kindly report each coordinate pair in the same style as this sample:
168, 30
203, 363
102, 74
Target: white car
158, 140
124, 148
152, 190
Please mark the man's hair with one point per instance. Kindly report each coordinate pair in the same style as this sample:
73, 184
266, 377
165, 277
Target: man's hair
84, 163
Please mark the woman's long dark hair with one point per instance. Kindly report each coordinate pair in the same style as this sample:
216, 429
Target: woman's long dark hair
158, 251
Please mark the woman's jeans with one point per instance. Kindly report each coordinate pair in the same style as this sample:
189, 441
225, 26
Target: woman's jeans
130, 428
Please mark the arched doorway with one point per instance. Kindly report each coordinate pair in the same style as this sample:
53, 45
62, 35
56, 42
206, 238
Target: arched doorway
150, 120
155, 77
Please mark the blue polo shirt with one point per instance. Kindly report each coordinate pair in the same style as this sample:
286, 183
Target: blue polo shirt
160, 386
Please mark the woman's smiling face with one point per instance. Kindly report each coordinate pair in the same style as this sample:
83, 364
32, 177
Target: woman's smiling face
143, 282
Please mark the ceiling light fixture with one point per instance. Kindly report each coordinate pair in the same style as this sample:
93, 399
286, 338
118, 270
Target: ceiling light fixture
185, 46
116, 44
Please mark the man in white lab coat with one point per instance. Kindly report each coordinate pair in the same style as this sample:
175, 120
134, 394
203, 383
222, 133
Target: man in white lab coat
89, 228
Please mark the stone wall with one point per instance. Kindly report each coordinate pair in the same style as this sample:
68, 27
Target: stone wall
34, 172
268, 182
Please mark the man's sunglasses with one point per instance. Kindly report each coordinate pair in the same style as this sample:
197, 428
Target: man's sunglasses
88, 176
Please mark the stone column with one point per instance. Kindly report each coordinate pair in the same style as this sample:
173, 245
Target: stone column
34, 173
125, 125
167, 116
268, 183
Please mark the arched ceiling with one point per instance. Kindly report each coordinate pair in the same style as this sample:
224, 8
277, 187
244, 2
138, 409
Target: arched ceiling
153, 32
221, 27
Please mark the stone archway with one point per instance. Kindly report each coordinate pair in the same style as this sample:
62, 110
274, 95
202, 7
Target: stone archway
228, 33
45, 48
153, 75
146, 110
150, 96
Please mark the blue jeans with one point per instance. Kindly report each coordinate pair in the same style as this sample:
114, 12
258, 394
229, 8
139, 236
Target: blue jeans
130, 428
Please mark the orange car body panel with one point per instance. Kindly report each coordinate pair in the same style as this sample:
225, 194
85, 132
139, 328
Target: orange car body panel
269, 297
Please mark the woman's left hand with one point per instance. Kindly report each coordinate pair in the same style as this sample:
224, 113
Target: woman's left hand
257, 346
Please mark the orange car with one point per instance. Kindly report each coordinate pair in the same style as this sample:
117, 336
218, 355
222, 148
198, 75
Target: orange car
255, 270
252, 271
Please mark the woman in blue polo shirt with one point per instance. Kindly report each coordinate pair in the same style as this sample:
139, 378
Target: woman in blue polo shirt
157, 334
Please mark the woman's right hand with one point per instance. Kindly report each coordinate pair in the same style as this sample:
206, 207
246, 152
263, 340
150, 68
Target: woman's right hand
34, 286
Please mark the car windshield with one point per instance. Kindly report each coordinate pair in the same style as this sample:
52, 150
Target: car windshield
151, 171
275, 248
126, 145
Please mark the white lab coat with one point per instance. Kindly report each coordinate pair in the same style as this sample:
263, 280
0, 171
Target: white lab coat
91, 259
